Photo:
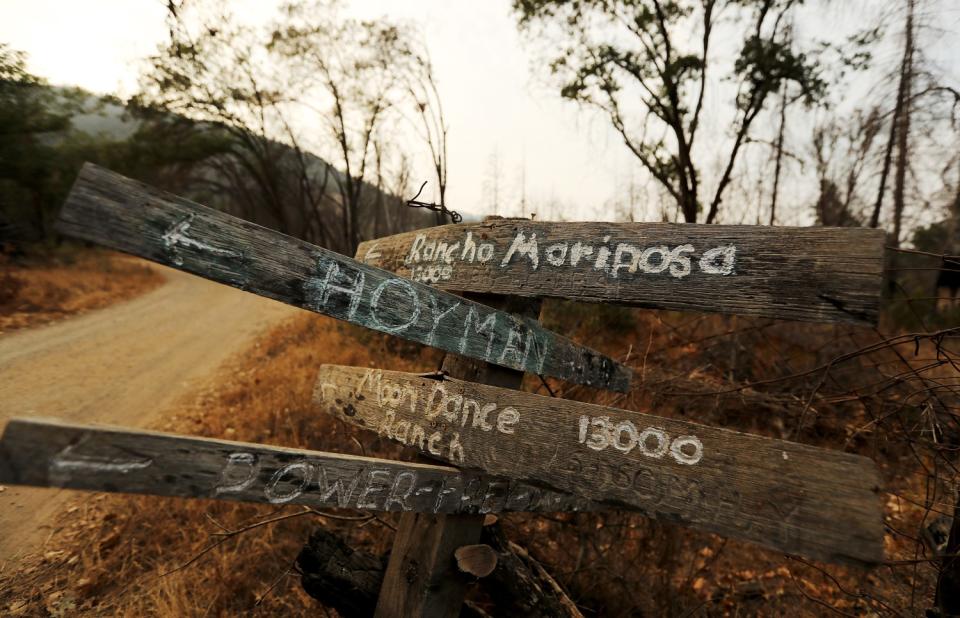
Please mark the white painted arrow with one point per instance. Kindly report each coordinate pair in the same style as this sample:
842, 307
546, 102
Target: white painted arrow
66, 462
177, 236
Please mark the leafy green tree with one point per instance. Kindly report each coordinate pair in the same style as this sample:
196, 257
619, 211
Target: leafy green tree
42, 149
647, 66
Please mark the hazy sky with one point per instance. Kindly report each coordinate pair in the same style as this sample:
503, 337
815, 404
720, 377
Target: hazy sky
492, 100
483, 70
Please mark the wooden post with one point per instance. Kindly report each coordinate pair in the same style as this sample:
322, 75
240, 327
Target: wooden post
422, 578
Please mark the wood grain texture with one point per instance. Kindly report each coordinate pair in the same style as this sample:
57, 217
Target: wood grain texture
421, 578
814, 274
127, 215
792, 497
51, 453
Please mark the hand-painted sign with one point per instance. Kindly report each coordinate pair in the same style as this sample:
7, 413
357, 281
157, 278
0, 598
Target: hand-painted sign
130, 216
818, 274
788, 496
49, 453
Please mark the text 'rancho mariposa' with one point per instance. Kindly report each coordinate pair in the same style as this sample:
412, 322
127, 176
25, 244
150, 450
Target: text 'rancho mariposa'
434, 259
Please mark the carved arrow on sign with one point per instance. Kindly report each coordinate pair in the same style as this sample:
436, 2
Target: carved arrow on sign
68, 461
177, 236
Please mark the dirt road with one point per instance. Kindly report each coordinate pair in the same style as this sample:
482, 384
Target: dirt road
127, 364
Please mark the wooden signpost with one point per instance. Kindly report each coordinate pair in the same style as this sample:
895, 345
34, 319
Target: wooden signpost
127, 215
815, 274
421, 578
50, 453
819, 274
517, 451
799, 499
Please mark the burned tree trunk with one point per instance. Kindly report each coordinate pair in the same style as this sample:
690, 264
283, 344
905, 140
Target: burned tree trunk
519, 578
349, 580
345, 579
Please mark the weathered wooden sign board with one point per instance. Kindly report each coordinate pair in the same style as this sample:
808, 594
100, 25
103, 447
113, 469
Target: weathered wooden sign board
818, 274
109, 209
50, 453
796, 498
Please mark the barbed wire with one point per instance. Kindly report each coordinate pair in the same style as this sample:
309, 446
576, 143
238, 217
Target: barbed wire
413, 203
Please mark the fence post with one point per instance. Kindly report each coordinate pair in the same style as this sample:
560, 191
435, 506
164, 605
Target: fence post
421, 578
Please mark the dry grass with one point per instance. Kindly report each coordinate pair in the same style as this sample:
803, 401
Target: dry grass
110, 553
35, 293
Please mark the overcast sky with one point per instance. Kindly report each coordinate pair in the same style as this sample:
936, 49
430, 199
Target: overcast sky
493, 101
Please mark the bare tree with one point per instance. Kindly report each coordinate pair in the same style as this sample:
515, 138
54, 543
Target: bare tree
841, 151
351, 88
399, 184
382, 214
214, 71
491, 184
905, 96
896, 118
778, 149
922, 96
617, 53
523, 185
431, 124
252, 84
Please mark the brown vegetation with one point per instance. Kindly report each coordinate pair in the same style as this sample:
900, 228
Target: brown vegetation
109, 553
145, 556
36, 291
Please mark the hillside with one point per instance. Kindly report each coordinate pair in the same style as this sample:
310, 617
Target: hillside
193, 159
